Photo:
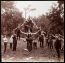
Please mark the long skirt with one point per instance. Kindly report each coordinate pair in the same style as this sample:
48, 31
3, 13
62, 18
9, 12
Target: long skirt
14, 46
5, 46
29, 46
10, 45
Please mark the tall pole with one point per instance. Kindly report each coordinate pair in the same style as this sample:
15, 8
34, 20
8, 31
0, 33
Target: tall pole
25, 14
25, 9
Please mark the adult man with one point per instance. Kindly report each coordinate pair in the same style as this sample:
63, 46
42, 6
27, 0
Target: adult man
58, 46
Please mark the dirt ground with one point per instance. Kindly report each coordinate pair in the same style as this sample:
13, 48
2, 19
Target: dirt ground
36, 55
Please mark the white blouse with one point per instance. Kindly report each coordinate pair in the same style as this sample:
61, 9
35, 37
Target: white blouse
5, 39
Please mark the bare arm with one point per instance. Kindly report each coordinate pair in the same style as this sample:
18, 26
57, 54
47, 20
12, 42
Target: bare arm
24, 33
19, 26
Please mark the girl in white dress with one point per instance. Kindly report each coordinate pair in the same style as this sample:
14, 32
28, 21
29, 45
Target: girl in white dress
11, 41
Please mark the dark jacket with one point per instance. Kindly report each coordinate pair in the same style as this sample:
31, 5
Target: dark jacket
14, 39
41, 38
58, 44
29, 40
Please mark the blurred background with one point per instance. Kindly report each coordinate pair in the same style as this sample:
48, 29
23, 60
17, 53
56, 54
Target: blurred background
47, 14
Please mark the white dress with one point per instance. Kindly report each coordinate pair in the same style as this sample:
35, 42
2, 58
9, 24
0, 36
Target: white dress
11, 39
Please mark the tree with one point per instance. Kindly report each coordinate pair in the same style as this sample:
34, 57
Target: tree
56, 21
43, 22
7, 5
11, 17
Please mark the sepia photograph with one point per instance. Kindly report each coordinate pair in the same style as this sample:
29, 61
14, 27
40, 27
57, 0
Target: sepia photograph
32, 31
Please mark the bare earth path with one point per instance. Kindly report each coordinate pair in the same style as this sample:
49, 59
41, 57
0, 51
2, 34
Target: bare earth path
36, 55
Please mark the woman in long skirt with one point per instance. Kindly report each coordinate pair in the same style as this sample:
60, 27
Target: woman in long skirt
14, 42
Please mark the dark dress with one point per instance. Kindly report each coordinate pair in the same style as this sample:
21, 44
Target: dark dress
29, 44
14, 43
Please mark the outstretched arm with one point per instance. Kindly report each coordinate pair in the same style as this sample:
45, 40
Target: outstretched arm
19, 26
35, 33
23, 32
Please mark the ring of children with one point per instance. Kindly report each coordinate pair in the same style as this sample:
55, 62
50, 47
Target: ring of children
39, 54
32, 39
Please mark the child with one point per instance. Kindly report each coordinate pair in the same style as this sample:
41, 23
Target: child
11, 41
35, 44
5, 40
41, 40
29, 42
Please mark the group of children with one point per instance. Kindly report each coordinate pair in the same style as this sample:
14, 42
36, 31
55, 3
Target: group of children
58, 43
29, 40
12, 40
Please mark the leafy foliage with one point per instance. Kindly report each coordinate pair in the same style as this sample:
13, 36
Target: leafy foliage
56, 21
11, 17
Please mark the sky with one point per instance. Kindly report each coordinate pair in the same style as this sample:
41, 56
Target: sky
41, 7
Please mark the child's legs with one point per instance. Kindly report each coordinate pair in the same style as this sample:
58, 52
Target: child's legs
11, 45
5, 45
58, 53
40, 44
